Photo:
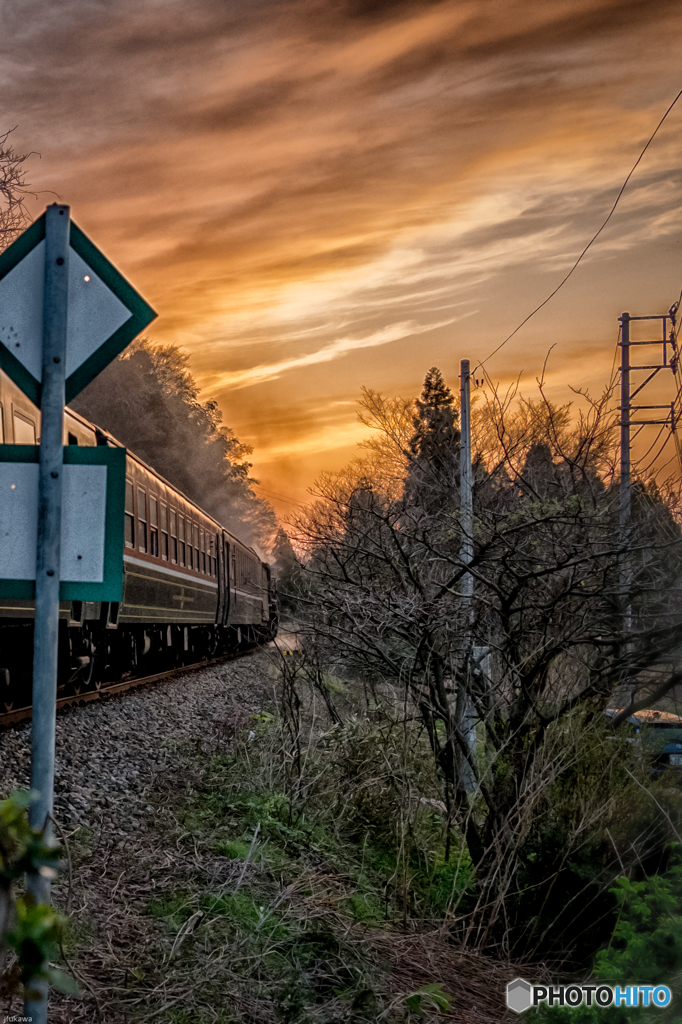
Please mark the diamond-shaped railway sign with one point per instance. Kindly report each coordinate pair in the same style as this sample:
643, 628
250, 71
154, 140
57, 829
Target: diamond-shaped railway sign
105, 313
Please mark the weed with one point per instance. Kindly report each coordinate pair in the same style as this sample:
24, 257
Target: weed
366, 908
174, 908
234, 849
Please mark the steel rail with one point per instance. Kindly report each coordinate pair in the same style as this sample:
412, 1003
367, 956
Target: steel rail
8, 718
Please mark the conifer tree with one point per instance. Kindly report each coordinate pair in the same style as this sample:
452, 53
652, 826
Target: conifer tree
434, 446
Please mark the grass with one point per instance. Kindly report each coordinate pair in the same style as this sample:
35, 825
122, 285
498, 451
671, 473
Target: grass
234, 849
309, 877
265, 895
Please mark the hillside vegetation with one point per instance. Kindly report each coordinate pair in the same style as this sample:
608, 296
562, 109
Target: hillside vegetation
148, 399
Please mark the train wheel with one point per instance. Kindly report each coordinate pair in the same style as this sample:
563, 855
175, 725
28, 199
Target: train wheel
82, 667
213, 643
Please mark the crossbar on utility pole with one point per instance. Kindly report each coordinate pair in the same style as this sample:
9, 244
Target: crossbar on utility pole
46, 627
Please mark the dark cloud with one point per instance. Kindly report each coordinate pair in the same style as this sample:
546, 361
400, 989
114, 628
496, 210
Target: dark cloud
301, 171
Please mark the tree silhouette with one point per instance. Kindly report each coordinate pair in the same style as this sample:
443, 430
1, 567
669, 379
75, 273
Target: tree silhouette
434, 447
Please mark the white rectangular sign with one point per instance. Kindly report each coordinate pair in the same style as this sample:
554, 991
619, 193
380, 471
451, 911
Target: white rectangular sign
83, 522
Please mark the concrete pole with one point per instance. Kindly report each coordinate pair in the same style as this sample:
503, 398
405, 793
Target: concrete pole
466, 483
46, 631
624, 425
466, 718
625, 491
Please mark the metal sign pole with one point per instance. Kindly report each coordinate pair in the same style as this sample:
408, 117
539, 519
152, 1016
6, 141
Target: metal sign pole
46, 629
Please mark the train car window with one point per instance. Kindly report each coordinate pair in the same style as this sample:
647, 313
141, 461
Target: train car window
181, 538
202, 547
195, 535
189, 550
142, 518
130, 515
72, 439
2, 426
24, 430
173, 535
163, 527
211, 558
153, 526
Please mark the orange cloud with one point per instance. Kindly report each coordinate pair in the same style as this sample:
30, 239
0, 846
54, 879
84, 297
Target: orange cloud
316, 196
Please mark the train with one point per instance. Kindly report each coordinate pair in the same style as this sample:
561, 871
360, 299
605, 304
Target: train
191, 589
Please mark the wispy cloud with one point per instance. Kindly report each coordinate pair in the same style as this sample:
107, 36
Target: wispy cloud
336, 350
299, 184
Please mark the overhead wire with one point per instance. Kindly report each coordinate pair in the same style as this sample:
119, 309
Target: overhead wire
591, 242
677, 403
658, 454
614, 368
282, 497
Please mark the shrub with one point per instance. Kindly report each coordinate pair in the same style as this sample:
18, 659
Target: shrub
645, 948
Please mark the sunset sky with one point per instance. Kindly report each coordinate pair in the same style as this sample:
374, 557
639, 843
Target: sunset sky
321, 194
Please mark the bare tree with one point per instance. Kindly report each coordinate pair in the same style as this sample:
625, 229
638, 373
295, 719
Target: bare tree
549, 647
13, 191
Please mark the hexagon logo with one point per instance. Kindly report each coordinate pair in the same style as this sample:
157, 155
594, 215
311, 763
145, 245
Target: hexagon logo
518, 995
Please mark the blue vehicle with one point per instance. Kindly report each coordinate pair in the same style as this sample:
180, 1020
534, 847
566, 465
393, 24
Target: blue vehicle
660, 734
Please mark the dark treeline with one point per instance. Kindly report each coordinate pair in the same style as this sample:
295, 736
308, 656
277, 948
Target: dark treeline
149, 401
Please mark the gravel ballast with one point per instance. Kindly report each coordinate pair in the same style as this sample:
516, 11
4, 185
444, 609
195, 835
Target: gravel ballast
170, 919
113, 759
108, 752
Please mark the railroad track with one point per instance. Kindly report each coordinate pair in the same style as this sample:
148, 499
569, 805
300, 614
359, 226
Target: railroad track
8, 718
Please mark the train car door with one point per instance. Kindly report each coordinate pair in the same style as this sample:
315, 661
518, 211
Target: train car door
222, 580
227, 578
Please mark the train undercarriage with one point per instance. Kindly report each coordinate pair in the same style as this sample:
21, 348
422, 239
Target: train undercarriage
92, 657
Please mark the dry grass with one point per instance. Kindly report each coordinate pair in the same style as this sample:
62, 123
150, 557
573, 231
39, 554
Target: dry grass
219, 912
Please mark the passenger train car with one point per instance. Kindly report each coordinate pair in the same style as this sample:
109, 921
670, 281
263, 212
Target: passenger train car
191, 589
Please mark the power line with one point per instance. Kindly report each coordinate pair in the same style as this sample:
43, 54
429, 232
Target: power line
282, 497
614, 367
650, 449
591, 241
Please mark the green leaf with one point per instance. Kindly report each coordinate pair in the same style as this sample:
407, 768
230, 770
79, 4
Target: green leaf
428, 997
63, 982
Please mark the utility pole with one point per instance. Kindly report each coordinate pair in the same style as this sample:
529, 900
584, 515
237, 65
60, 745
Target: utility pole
466, 485
466, 718
46, 626
624, 426
669, 360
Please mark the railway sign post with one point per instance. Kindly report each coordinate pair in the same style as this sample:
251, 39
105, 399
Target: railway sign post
65, 313
103, 316
93, 503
